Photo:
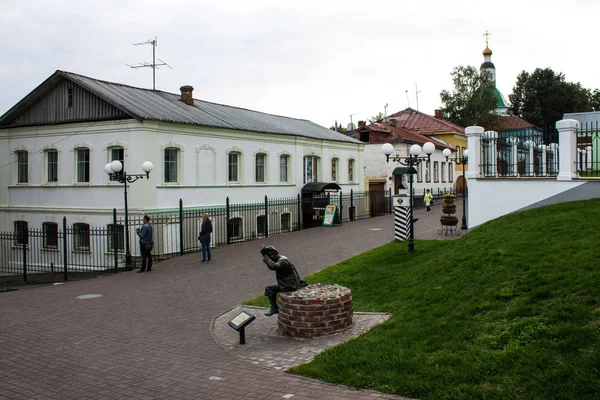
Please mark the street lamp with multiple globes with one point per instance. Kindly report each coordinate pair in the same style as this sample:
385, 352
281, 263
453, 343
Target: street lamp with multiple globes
411, 161
460, 160
113, 169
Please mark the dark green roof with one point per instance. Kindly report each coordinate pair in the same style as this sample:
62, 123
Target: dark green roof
500, 100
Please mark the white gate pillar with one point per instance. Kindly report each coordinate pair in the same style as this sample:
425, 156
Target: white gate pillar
567, 147
474, 145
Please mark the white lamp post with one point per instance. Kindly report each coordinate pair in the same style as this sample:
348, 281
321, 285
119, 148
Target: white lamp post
411, 161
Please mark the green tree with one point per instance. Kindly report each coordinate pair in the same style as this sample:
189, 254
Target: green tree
544, 96
376, 118
595, 100
472, 100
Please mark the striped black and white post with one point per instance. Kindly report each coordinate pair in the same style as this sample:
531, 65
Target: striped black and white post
401, 218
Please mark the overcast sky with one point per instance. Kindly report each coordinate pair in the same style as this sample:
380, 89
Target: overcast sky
316, 60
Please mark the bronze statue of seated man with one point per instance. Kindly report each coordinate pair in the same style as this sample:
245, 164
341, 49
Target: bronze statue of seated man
286, 274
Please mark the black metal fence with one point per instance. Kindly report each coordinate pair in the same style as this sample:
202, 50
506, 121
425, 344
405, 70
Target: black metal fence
588, 150
529, 152
57, 253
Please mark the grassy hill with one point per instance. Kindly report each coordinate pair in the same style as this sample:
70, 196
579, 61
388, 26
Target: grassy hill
511, 310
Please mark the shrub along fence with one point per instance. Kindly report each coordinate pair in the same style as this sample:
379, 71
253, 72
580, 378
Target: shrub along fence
52, 253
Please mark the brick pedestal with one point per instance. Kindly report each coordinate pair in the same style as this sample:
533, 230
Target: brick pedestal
315, 310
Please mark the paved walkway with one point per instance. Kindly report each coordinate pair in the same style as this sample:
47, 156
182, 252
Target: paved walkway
149, 336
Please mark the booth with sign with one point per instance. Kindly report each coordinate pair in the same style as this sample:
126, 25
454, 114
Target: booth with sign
316, 196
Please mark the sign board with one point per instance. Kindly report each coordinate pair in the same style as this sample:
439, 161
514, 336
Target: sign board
241, 320
332, 216
401, 201
239, 323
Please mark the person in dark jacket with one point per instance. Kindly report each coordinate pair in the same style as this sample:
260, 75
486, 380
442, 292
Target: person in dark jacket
205, 231
146, 245
286, 274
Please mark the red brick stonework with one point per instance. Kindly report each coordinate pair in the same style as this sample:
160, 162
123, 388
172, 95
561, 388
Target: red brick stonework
315, 310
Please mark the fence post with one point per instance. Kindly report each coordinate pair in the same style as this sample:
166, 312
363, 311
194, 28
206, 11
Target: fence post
115, 240
391, 201
227, 220
23, 238
65, 257
341, 208
351, 209
266, 217
180, 227
298, 210
567, 146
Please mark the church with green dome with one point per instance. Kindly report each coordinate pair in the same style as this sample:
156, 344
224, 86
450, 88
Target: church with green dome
488, 66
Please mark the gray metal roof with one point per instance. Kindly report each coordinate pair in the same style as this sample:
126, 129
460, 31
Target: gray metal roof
155, 105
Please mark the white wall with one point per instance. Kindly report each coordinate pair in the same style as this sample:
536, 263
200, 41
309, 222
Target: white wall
201, 184
493, 198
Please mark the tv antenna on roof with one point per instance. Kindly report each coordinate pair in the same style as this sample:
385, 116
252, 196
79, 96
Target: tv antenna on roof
351, 125
154, 65
417, 95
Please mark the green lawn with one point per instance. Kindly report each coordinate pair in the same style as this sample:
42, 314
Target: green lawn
509, 311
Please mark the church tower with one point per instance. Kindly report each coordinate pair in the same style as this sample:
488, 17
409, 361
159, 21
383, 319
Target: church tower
488, 66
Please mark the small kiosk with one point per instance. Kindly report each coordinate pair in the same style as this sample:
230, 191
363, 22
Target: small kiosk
315, 199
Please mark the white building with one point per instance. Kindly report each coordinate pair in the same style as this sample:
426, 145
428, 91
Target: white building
55, 143
402, 130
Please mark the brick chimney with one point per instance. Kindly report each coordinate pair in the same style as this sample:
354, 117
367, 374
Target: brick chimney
438, 114
186, 95
361, 124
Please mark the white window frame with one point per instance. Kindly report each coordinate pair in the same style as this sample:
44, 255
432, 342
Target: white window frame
120, 237
48, 167
451, 172
288, 217
22, 160
85, 164
335, 168
314, 171
428, 171
21, 229
111, 156
436, 172
167, 171
351, 168
444, 173
47, 234
261, 225
236, 166
236, 224
419, 172
78, 243
284, 168
258, 166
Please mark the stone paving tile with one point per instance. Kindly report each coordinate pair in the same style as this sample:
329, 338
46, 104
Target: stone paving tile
264, 346
149, 335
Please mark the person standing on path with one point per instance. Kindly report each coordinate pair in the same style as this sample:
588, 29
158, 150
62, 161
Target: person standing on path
427, 199
205, 231
146, 244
